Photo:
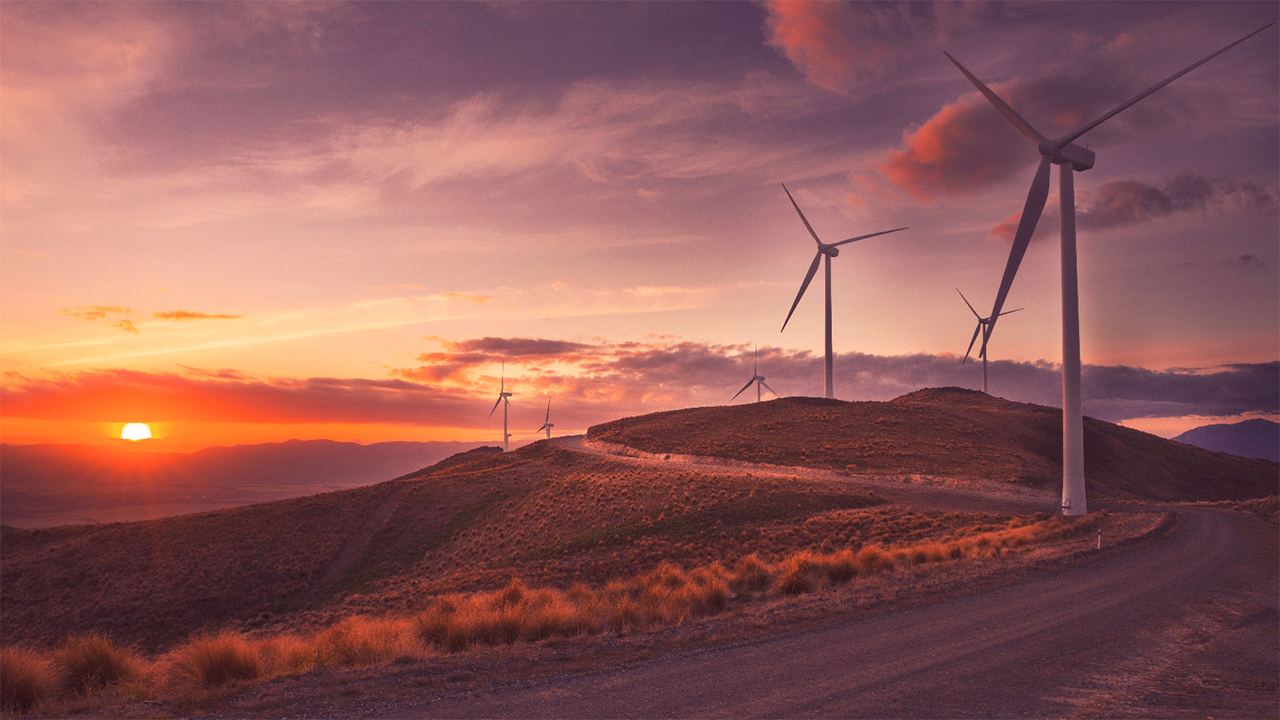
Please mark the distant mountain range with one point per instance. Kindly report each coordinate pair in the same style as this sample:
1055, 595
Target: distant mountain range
1251, 438
44, 485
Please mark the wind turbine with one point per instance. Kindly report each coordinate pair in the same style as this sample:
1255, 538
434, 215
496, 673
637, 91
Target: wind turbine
982, 323
828, 250
548, 424
756, 378
1070, 157
505, 403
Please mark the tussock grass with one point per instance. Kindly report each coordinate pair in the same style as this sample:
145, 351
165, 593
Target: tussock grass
213, 660
665, 595
94, 662
26, 680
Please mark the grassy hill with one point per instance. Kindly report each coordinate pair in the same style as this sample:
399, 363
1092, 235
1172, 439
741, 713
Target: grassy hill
948, 432
556, 518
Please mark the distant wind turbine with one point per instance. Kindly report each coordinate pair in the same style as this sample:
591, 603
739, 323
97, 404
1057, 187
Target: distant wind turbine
982, 323
1069, 157
828, 250
756, 378
505, 403
548, 424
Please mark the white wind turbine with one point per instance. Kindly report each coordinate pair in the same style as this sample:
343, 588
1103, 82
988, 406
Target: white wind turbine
756, 378
548, 424
1069, 157
828, 250
982, 351
505, 403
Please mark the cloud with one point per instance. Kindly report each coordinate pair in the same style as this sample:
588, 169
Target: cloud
1248, 262
963, 148
177, 315
96, 312
1120, 203
840, 46
968, 146
634, 377
126, 325
595, 382
107, 395
1128, 202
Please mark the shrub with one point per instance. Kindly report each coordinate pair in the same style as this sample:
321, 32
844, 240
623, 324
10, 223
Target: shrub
25, 680
840, 567
93, 661
873, 559
795, 575
358, 641
213, 660
750, 574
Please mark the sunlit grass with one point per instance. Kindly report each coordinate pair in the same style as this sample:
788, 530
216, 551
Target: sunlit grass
665, 595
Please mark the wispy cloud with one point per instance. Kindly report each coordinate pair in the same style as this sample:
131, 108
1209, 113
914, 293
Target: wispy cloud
178, 315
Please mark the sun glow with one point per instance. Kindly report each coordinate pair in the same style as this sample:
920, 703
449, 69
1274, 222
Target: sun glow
136, 431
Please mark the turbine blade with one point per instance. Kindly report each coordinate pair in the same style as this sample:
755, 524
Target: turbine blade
813, 269
1023, 126
864, 237
495, 406
966, 302
972, 340
1062, 142
1036, 198
744, 389
766, 387
802, 217
544, 427
1007, 312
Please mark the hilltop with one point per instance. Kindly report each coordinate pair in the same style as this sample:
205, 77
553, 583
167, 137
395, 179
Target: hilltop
1256, 438
947, 432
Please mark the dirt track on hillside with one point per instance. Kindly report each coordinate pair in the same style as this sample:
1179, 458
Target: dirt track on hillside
1186, 626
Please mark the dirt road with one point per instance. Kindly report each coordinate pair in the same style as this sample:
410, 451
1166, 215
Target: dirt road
1185, 626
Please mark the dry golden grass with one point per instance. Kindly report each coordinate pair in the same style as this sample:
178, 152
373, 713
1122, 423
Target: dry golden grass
26, 680
213, 660
93, 662
515, 613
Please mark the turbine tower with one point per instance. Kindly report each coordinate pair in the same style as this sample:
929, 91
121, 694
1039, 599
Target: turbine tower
505, 403
1070, 158
982, 352
756, 378
548, 424
827, 250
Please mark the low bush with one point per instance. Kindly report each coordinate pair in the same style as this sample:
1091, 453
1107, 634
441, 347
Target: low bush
26, 680
92, 662
213, 660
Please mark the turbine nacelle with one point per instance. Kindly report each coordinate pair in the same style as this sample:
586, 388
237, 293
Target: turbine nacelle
1081, 158
829, 250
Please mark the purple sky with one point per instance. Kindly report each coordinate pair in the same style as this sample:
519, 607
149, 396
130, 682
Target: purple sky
288, 195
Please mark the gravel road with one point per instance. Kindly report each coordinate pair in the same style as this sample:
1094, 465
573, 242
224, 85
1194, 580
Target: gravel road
1093, 639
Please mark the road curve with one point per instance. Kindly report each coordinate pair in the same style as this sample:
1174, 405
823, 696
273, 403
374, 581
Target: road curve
1021, 650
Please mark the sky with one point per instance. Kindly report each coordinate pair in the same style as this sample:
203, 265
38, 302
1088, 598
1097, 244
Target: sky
263, 221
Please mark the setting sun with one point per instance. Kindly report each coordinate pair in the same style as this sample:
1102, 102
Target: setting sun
136, 431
